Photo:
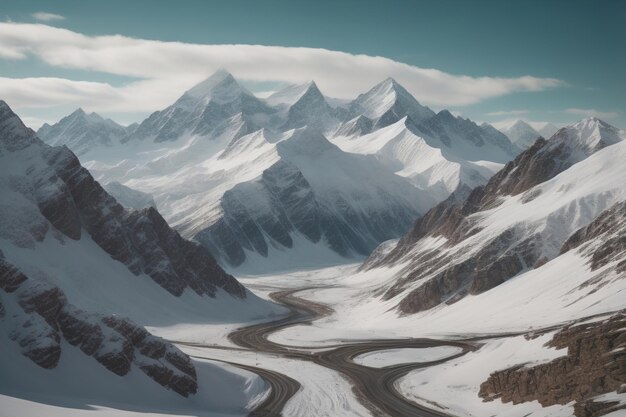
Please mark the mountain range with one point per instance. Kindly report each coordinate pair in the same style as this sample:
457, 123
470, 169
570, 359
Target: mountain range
565, 194
463, 229
81, 276
236, 172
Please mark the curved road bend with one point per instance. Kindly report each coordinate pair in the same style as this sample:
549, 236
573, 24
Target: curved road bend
374, 387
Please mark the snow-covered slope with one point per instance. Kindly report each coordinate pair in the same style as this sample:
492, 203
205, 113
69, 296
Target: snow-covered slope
442, 155
80, 275
522, 134
83, 132
315, 192
303, 105
547, 130
518, 222
128, 197
206, 109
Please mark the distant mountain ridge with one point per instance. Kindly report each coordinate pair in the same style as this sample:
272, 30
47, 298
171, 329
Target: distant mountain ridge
520, 220
218, 141
83, 132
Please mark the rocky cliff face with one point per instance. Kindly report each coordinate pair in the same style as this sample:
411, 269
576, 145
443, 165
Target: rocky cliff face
595, 364
351, 206
70, 199
52, 204
41, 318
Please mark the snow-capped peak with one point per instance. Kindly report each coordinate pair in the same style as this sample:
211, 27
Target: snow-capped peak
387, 102
291, 94
220, 87
522, 134
547, 130
520, 124
586, 137
82, 132
81, 115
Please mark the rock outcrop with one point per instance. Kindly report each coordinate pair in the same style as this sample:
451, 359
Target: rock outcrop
43, 317
595, 364
455, 269
74, 204
611, 226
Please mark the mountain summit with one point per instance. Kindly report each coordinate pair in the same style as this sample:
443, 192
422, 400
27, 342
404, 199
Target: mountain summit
386, 103
82, 132
522, 134
203, 110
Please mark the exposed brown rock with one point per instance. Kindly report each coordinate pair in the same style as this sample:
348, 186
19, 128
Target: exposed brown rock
117, 343
595, 364
450, 273
591, 408
141, 239
497, 261
611, 225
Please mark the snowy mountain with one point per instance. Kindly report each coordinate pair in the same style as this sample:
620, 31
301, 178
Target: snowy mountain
441, 154
387, 103
522, 134
351, 204
80, 276
208, 158
83, 132
518, 223
547, 130
218, 102
303, 105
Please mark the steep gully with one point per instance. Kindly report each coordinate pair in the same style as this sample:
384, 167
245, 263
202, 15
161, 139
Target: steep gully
373, 387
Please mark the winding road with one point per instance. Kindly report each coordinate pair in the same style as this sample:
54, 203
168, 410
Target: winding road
374, 387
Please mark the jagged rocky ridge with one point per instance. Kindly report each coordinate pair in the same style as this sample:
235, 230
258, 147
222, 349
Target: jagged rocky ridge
472, 255
49, 201
595, 364
206, 109
292, 197
217, 141
82, 132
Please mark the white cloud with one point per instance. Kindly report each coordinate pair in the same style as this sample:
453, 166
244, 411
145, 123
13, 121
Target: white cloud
592, 112
47, 17
165, 69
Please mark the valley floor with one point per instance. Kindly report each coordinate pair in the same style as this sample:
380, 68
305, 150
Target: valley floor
334, 355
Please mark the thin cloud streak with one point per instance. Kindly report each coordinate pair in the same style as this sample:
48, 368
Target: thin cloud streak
592, 112
507, 113
47, 17
165, 69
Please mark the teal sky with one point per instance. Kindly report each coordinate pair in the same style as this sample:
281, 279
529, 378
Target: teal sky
581, 43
